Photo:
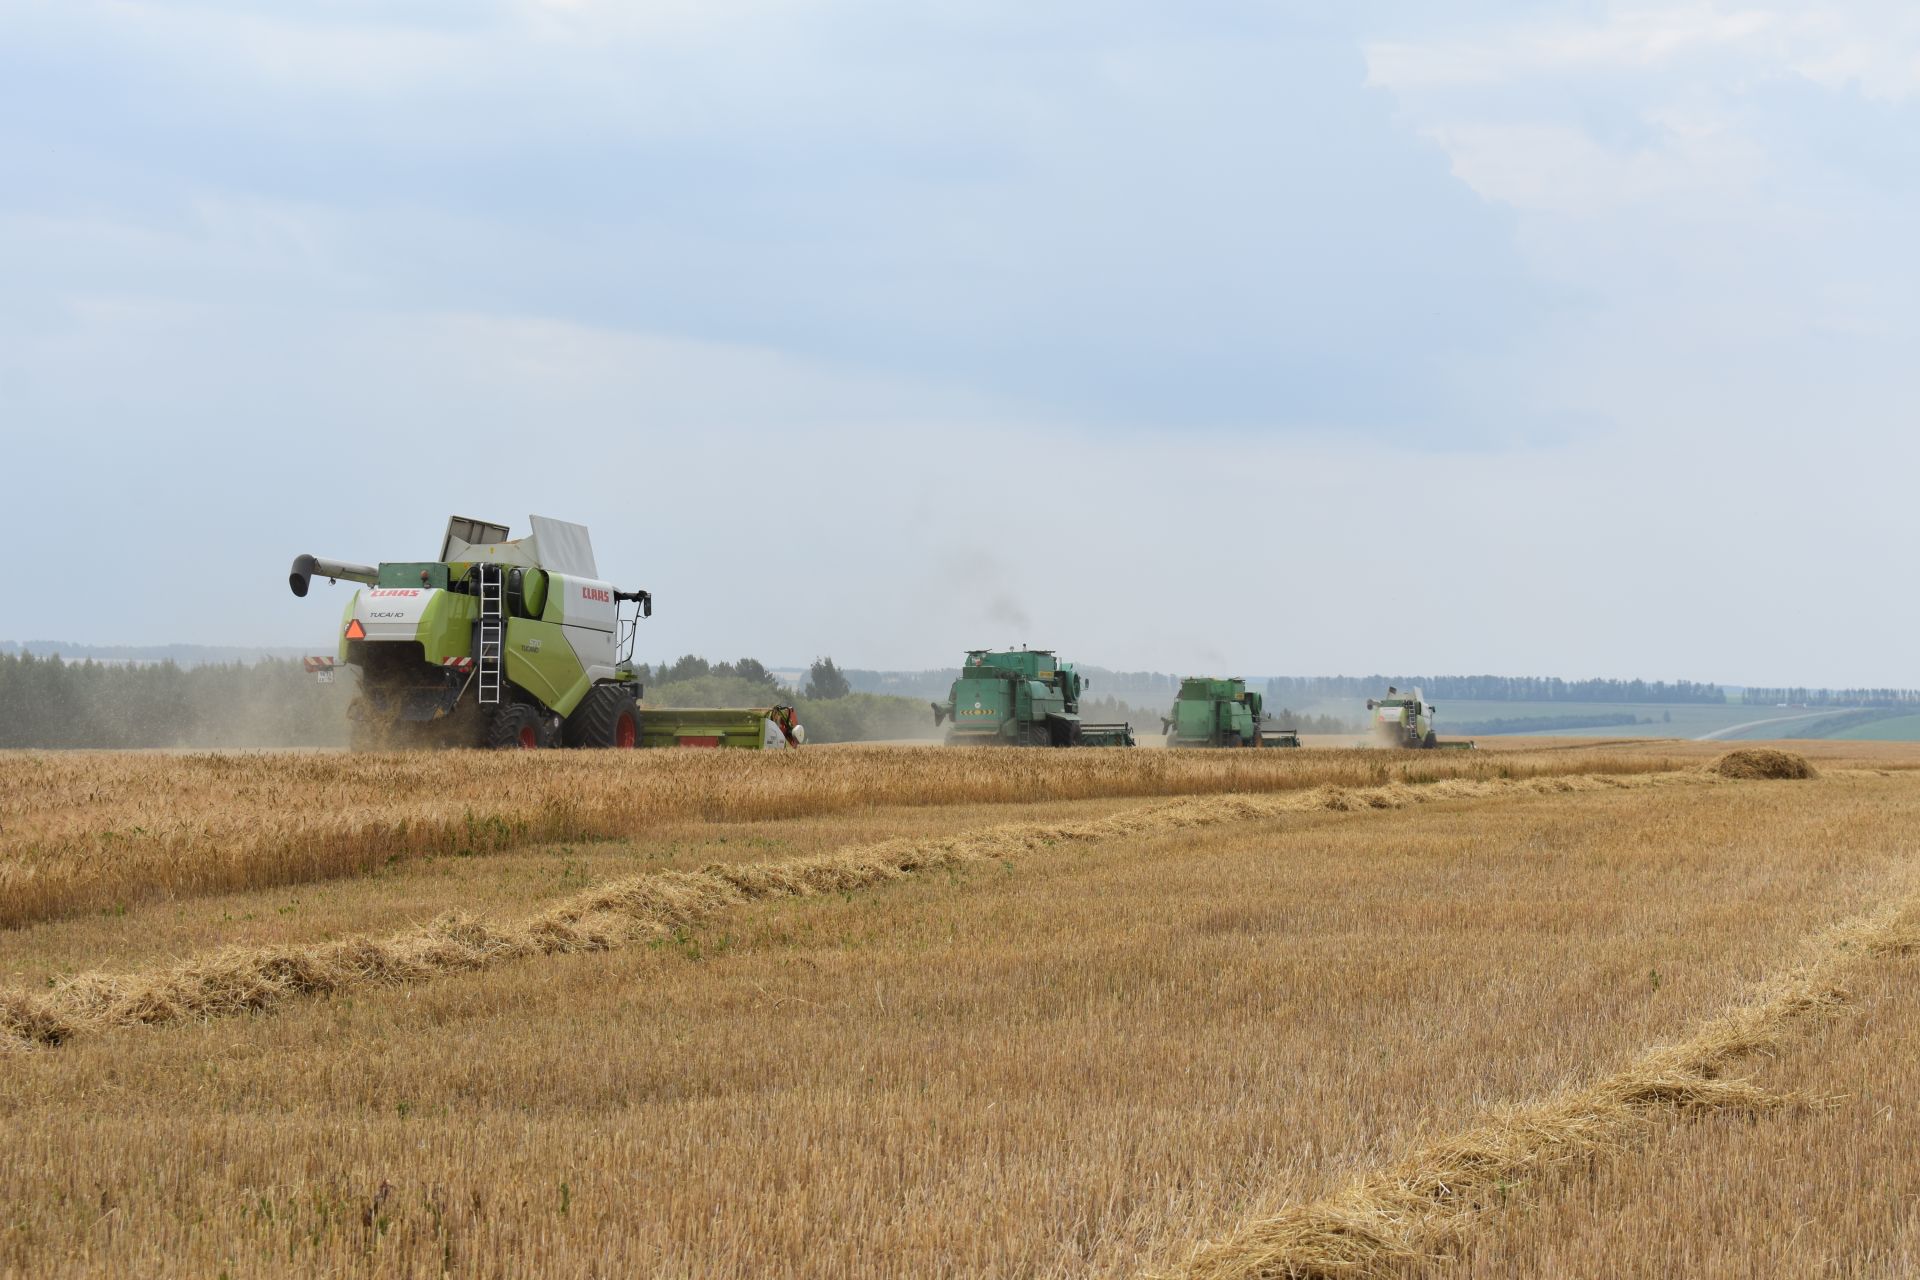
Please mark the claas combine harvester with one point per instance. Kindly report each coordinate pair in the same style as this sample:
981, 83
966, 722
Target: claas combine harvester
1210, 712
1022, 698
1406, 720
508, 642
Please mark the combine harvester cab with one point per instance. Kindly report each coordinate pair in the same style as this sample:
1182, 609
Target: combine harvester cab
1211, 712
1021, 697
1406, 721
500, 642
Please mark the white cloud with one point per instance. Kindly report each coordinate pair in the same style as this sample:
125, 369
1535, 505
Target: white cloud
1622, 39
1558, 168
1871, 45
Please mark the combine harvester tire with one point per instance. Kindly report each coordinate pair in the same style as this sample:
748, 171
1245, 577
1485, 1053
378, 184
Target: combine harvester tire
516, 726
606, 717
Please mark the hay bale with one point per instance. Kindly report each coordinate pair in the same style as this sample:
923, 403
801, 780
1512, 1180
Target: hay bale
1763, 762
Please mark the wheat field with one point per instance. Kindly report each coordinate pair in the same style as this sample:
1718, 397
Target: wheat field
98, 830
1548, 1012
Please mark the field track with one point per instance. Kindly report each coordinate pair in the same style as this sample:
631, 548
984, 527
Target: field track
1313, 1014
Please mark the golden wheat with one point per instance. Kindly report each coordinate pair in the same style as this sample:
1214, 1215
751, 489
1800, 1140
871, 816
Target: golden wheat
1076, 1064
81, 831
1422, 1202
241, 980
1822, 1190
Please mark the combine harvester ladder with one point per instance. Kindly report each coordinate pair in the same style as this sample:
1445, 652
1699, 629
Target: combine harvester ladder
493, 627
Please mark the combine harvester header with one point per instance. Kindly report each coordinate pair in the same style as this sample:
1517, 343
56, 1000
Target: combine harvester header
747, 728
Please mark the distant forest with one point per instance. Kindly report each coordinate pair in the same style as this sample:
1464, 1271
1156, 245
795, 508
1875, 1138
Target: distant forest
185, 655
1797, 697
1550, 724
49, 702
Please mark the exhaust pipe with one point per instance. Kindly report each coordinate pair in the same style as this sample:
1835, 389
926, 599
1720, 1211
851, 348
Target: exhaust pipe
305, 568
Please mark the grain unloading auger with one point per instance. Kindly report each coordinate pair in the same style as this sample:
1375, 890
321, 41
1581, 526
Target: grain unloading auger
500, 642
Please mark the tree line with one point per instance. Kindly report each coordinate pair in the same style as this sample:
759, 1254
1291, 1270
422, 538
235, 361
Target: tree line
824, 679
48, 702
1287, 718
829, 708
1803, 697
1551, 724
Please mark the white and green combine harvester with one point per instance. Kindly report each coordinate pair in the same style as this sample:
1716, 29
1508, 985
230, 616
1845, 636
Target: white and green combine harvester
501, 642
1406, 720
496, 643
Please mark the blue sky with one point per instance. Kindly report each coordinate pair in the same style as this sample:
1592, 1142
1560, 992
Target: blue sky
1558, 338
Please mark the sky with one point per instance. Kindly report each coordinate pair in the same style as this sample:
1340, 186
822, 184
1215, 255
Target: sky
1529, 338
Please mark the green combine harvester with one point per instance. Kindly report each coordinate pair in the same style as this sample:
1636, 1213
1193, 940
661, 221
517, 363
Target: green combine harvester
1211, 712
1021, 698
508, 643
1406, 720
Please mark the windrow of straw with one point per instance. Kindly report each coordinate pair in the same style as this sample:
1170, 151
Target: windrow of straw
93, 831
244, 980
1758, 763
1411, 1211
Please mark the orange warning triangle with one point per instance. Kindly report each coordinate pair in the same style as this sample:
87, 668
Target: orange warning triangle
355, 631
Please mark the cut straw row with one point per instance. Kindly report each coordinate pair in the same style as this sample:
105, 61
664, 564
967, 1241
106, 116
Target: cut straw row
238, 980
1412, 1211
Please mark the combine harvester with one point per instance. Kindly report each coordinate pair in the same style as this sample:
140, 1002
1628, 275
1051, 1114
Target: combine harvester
1406, 720
507, 643
1210, 712
1021, 698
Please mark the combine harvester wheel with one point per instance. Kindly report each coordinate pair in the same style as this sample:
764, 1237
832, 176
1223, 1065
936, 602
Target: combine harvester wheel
607, 717
516, 726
